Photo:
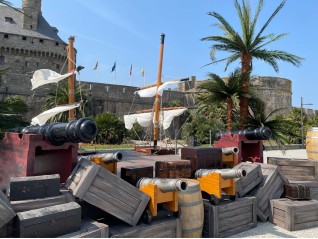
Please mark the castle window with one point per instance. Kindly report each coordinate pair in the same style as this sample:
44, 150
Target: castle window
24, 38
56, 43
8, 19
2, 60
124, 90
6, 36
57, 66
41, 40
31, 27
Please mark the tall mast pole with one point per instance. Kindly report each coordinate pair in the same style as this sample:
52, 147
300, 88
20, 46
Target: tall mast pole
157, 101
71, 78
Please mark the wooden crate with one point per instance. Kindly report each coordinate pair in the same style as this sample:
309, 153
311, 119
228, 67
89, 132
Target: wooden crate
173, 169
157, 228
271, 187
253, 177
313, 186
32, 187
3, 231
294, 215
26, 205
107, 191
50, 221
202, 157
229, 218
132, 174
89, 229
297, 169
6, 211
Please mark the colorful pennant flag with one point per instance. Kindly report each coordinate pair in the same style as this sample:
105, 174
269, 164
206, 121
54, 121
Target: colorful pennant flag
143, 72
96, 66
130, 73
114, 67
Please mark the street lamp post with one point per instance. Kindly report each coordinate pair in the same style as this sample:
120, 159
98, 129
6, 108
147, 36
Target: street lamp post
302, 121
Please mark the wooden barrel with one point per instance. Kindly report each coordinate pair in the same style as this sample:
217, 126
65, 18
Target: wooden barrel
312, 143
190, 204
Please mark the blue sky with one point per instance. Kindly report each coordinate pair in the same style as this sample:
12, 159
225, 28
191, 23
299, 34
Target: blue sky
128, 32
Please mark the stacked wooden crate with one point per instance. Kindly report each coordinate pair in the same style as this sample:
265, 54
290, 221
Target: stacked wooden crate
229, 218
299, 171
296, 214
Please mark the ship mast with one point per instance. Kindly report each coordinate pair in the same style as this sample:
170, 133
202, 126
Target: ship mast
71, 78
157, 101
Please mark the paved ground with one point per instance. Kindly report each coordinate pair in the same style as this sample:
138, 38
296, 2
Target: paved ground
263, 230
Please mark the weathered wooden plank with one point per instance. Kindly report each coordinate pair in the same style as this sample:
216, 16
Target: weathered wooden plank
168, 227
297, 214
108, 192
32, 187
297, 169
51, 221
27, 205
6, 210
271, 187
89, 229
222, 221
251, 180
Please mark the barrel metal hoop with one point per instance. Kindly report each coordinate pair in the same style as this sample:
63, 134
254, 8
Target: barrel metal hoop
314, 152
189, 204
192, 230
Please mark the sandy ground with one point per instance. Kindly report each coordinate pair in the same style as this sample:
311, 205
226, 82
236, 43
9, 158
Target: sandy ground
263, 230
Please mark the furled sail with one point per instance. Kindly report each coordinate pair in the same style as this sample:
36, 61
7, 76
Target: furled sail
144, 119
46, 76
43, 117
151, 91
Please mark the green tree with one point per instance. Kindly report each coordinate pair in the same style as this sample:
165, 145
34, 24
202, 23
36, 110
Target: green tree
59, 96
219, 91
250, 44
12, 110
111, 130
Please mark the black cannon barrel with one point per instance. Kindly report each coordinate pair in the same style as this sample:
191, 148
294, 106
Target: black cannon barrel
263, 133
82, 130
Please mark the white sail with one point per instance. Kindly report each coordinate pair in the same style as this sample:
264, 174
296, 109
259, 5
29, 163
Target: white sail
144, 119
43, 117
46, 76
151, 91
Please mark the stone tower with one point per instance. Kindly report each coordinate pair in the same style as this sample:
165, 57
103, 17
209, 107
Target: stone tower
32, 12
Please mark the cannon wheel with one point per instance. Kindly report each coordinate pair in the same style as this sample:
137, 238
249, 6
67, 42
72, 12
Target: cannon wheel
177, 213
232, 197
214, 200
146, 216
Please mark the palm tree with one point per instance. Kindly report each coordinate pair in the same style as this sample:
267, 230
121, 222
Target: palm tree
248, 45
59, 96
218, 91
281, 127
